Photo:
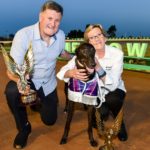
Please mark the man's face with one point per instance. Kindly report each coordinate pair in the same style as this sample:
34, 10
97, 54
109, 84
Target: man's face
49, 22
97, 39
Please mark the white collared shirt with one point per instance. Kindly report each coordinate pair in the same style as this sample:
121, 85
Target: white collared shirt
112, 63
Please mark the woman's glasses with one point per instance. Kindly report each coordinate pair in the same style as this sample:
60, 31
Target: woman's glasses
96, 36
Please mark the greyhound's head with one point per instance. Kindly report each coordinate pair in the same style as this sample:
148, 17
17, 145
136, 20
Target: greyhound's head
85, 58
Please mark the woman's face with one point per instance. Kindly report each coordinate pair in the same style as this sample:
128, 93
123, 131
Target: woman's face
97, 39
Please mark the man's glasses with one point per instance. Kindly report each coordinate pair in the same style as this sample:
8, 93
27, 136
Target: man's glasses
96, 36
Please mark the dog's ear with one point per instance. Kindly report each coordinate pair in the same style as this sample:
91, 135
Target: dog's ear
79, 49
76, 52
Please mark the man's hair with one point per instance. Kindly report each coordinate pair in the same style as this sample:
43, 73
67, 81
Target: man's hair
53, 6
90, 27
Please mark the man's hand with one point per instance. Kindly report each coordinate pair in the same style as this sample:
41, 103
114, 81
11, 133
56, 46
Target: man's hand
24, 91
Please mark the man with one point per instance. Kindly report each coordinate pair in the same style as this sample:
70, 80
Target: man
48, 43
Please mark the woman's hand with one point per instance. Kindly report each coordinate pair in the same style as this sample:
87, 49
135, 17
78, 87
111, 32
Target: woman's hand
79, 74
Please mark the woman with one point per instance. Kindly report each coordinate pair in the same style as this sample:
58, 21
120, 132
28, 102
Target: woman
111, 60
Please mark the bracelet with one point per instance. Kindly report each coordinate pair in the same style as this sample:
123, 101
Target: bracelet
101, 72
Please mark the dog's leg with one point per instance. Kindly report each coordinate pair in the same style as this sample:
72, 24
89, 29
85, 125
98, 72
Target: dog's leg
90, 130
85, 107
66, 95
68, 121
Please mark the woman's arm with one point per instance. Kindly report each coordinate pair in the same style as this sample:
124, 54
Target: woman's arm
70, 71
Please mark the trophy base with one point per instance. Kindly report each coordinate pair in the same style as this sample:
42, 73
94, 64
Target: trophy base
106, 147
29, 99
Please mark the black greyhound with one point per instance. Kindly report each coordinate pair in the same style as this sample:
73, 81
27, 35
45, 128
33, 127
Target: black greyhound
85, 59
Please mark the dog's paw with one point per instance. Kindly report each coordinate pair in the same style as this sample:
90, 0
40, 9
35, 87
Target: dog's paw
93, 143
65, 110
63, 141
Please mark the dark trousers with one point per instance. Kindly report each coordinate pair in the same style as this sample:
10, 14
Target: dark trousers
113, 103
48, 111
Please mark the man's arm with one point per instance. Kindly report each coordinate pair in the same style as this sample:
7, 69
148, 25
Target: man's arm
66, 55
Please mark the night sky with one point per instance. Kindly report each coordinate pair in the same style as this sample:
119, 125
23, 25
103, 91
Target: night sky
131, 17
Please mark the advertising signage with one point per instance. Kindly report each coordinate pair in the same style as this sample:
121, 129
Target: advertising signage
136, 52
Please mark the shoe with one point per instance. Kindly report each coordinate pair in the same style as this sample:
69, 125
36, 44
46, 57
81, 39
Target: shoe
22, 137
122, 135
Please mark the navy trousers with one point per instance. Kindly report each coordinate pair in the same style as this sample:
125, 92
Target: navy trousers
48, 109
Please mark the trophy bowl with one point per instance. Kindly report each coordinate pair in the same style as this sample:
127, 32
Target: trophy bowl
29, 99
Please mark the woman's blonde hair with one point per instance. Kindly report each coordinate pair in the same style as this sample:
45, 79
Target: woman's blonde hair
90, 27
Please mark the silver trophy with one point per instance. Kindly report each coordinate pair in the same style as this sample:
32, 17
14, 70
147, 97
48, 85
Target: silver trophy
22, 71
